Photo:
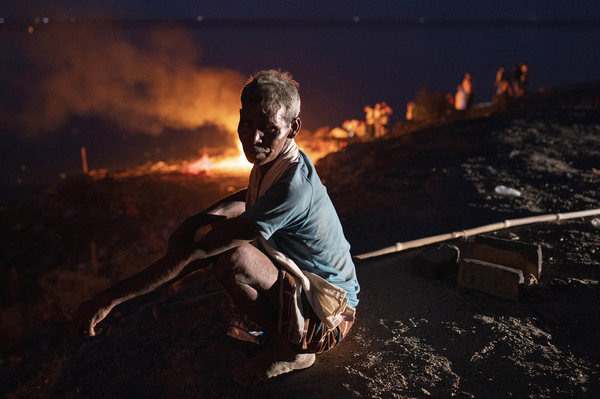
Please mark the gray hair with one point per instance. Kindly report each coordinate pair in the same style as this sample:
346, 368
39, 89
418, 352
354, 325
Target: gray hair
272, 90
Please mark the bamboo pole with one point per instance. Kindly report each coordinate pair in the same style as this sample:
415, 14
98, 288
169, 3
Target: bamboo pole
401, 246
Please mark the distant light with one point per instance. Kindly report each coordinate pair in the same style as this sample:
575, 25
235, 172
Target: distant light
422, 20
356, 19
1, 20
30, 29
199, 18
37, 20
45, 20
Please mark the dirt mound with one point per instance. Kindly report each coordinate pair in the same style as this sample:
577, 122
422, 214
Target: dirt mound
413, 337
443, 179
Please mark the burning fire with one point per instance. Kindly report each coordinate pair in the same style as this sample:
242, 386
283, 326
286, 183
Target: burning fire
204, 164
231, 164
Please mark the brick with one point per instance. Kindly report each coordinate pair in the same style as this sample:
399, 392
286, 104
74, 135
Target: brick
518, 255
434, 263
490, 278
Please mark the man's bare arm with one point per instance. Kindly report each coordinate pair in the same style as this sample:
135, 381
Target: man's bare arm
229, 207
175, 265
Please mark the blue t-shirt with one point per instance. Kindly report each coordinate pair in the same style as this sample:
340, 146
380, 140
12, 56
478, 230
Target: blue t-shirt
296, 217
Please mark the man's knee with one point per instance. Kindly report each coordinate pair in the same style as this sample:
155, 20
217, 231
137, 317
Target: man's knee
246, 265
230, 263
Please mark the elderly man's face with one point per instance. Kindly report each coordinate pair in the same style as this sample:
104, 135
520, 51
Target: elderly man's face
263, 136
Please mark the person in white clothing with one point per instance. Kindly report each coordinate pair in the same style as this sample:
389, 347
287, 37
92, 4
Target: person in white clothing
467, 86
460, 100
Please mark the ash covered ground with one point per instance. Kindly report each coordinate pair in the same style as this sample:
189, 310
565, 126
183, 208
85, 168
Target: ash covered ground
414, 337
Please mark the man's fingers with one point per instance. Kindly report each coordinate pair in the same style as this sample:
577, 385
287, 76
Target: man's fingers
93, 322
85, 321
92, 330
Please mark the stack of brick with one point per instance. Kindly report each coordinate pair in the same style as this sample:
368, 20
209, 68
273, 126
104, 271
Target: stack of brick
496, 266
499, 266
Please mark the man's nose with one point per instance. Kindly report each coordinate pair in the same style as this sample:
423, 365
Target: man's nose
257, 136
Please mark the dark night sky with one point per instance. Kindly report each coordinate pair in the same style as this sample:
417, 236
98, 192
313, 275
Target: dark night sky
184, 9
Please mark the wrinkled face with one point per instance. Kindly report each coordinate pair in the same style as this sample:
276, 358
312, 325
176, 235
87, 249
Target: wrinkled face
263, 136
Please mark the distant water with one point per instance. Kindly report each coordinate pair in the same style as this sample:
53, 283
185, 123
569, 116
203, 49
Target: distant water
340, 70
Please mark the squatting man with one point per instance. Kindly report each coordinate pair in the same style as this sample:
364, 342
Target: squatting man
277, 247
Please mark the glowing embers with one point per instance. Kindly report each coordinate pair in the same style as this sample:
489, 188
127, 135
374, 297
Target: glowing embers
233, 163
223, 165
203, 165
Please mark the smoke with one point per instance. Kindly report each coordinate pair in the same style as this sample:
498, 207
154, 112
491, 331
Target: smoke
144, 82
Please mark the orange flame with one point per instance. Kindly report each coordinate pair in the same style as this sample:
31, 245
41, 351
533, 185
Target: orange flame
203, 165
229, 164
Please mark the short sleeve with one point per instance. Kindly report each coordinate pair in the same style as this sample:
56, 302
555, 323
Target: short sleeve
283, 206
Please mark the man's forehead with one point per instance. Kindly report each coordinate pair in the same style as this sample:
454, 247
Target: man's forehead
255, 111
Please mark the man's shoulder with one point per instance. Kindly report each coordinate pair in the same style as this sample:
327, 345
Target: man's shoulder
303, 171
296, 182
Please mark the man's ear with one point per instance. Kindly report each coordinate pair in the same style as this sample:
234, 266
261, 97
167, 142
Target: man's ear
295, 128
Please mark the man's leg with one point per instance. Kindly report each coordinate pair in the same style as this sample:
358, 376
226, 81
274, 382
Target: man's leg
251, 280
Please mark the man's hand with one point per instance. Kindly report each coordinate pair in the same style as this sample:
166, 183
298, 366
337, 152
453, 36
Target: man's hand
87, 316
186, 232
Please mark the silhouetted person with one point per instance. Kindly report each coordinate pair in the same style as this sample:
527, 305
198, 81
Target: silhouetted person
384, 118
517, 85
524, 79
410, 107
369, 121
377, 117
499, 75
467, 86
460, 99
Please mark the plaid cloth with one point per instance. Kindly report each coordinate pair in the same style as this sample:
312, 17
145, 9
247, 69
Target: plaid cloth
315, 337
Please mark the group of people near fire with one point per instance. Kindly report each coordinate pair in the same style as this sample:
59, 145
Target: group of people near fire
463, 99
516, 87
376, 123
506, 87
377, 120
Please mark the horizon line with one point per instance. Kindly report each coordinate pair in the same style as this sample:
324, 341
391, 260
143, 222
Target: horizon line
295, 23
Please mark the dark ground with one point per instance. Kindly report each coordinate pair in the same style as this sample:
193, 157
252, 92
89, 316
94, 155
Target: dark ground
414, 337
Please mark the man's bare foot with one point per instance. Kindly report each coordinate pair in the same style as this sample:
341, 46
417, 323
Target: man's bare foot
268, 364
